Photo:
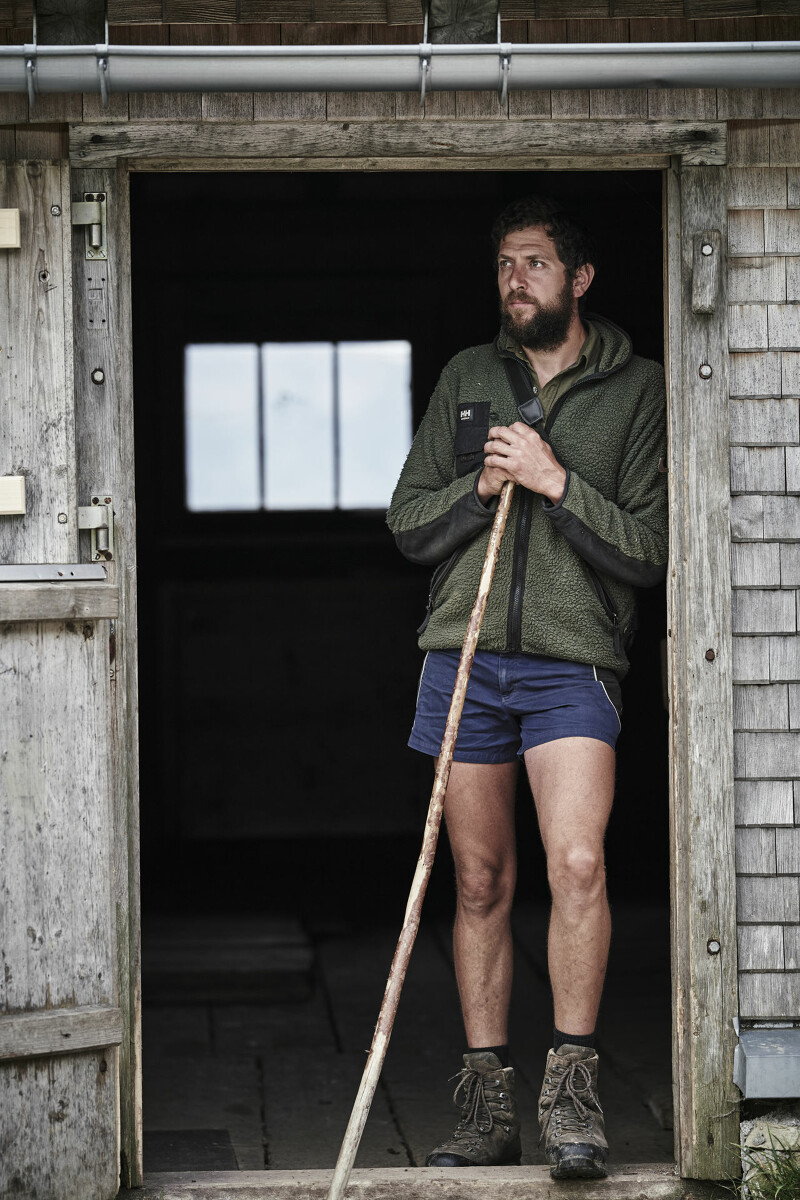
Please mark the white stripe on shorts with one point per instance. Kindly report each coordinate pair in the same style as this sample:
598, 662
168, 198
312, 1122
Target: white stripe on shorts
608, 698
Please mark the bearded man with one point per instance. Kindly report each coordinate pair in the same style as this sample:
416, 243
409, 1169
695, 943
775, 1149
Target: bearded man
560, 405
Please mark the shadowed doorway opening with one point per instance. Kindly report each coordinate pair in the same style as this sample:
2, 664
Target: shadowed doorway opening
281, 809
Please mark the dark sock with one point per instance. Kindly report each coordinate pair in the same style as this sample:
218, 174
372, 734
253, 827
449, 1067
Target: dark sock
500, 1051
572, 1039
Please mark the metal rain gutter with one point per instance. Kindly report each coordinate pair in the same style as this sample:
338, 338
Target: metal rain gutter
103, 68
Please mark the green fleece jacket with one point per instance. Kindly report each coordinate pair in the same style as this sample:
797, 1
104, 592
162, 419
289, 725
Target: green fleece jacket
566, 572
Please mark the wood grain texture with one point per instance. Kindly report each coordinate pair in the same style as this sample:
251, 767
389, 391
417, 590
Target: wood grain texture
784, 660
767, 422
35, 366
757, 374
58, 601
767, 755
764, 802
790, 376
790, 565
748, 143
701, 749
755, 564
754, 280
764, 899
787, 846
770, 995
755, 854
747, 517
792, 456
745, 232
757, 187
747, 327
761, 707
783, 324
521, 162
763, 612
793, 279
758, 469
791, 947
751, 660
760, 946
56, 923
59, 1031
782, 517
104, 434
60, 1144
94, 145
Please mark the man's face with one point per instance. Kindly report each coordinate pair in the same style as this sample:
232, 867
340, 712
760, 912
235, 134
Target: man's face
537, 300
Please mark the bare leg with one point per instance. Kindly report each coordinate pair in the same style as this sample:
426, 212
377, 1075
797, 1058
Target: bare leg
479, 811
572, 780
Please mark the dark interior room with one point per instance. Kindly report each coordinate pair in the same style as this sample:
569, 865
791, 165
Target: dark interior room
281, 810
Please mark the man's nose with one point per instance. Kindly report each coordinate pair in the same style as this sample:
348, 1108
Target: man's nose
517, 281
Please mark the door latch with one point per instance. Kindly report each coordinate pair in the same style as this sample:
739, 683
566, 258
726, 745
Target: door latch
91, 213
98, 517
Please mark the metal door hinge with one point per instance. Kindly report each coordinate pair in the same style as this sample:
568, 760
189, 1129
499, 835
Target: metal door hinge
98, 517
91, 213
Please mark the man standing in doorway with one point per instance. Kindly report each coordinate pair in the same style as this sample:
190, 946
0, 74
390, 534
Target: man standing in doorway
560, 405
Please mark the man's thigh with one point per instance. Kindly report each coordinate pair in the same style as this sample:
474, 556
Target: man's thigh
572, 780
479, 811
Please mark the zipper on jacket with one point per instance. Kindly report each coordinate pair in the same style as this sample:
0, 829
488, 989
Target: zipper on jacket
522, 536
608, 605
437, 579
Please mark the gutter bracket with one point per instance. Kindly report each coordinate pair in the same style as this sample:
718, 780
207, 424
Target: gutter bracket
102, 73
30, 73
425, 54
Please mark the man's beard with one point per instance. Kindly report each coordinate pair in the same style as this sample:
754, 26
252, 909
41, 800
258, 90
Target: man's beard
546, 329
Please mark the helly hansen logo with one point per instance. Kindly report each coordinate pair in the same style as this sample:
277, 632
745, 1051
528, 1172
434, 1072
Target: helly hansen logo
465, 414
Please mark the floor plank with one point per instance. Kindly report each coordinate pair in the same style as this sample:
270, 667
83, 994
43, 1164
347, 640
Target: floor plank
309, 1095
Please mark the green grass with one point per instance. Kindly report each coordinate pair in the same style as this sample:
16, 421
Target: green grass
771, 1172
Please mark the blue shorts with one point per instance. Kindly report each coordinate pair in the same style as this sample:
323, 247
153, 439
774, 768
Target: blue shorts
513, 702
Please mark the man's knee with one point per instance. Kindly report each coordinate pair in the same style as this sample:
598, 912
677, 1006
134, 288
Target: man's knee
576, 872
484, 888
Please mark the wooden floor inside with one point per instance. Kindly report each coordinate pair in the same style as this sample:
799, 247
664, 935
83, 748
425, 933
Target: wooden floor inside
232, 1085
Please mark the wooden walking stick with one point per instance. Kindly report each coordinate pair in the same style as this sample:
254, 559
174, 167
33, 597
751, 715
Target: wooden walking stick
397, 973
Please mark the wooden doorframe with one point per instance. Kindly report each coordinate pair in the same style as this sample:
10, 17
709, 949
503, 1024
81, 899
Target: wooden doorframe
692, 157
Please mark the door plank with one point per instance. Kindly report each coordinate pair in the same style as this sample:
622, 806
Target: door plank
35, 366
104, 435
58, 601
59, 1031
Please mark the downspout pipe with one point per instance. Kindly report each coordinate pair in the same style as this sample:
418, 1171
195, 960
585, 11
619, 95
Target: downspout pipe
103, 68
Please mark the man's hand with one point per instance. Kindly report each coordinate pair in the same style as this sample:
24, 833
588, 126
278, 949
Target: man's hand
517, 452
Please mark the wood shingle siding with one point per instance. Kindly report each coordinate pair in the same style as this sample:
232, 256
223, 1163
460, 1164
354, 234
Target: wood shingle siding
763, 336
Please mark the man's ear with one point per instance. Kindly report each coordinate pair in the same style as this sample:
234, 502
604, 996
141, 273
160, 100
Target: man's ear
583, 277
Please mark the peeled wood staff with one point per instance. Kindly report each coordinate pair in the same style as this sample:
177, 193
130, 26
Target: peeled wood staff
397, 972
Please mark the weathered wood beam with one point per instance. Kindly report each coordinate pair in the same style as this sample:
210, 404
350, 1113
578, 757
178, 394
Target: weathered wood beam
640, 1181
694, 142
58, 601
59, 1031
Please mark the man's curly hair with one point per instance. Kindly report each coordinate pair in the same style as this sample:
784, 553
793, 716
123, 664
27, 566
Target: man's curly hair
573, 244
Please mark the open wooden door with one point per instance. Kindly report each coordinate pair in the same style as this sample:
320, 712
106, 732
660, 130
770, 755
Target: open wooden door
68, 931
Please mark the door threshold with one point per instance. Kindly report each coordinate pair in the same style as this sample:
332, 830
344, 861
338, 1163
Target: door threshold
638, 1181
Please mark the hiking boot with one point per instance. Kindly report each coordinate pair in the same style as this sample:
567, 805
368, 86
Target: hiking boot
488, 1132
570, 1115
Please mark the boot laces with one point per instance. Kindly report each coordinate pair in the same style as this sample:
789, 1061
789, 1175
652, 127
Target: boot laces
574, 1086
470, 1096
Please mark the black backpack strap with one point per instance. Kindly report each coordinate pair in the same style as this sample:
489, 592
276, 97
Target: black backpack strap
528, 404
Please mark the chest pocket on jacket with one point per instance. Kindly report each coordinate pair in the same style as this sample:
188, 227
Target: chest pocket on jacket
472, 432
